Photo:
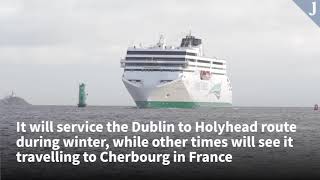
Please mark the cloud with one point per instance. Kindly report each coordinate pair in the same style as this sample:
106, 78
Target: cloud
267, 42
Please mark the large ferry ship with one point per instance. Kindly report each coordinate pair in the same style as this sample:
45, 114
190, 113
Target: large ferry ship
163, 76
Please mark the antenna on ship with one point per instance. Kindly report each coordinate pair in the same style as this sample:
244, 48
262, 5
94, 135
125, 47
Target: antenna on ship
189, 36
162, 41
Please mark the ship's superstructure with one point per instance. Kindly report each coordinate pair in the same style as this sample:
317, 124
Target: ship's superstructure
176, 77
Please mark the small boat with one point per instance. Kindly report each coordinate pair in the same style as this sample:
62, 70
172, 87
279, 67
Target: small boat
316, 107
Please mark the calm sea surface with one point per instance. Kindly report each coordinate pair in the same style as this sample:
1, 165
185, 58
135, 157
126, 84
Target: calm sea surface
303, 160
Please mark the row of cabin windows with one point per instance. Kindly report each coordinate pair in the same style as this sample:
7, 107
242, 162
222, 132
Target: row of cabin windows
168, 70
206, 67
202, 61
155, 59
174, 65
139, 81
152, 64
162, 53
169, 59
171, 65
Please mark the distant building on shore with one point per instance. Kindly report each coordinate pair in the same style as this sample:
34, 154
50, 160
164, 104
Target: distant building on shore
13, 100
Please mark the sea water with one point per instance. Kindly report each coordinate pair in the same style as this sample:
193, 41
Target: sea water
302, 160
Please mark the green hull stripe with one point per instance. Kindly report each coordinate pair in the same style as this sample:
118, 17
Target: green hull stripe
174, 104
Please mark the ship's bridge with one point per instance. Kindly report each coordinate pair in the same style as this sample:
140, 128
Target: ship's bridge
190, 41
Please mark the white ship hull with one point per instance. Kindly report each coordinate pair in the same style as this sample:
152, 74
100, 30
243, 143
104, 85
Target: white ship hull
176, 77
182, 90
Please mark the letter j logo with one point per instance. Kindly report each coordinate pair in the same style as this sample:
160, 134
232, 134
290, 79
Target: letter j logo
310, 8
314, 9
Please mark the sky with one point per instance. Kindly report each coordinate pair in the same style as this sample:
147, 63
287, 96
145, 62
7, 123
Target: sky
48, 47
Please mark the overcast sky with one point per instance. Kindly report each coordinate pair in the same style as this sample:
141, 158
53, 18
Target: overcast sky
48, 46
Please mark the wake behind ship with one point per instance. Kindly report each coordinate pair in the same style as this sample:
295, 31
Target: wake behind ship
164, 76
